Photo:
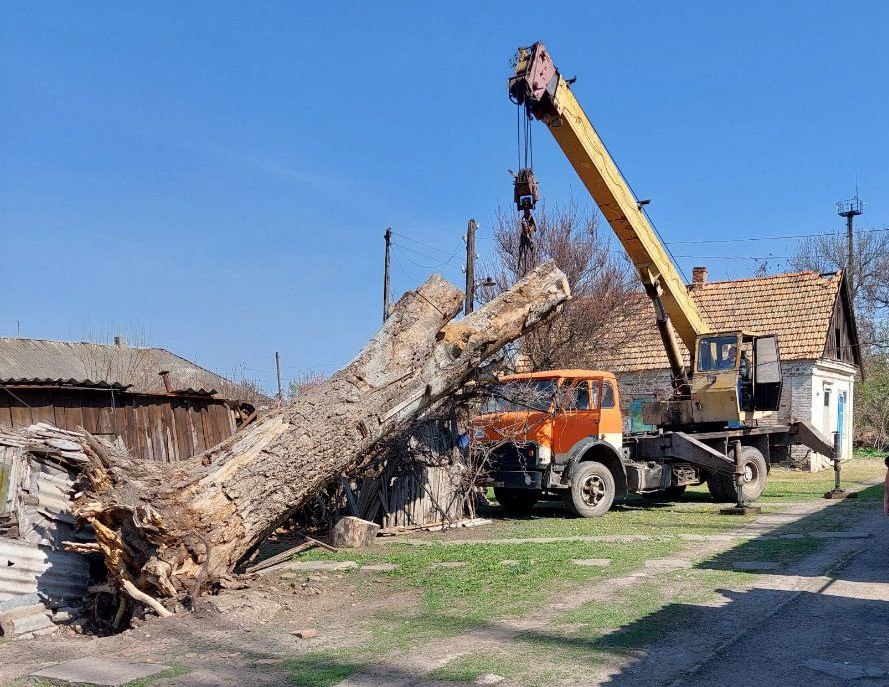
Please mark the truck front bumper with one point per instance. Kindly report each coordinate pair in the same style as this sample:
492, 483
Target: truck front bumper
531, 479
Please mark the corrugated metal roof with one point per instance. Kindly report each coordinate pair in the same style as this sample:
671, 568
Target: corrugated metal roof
796, 306
30, 569
42, 362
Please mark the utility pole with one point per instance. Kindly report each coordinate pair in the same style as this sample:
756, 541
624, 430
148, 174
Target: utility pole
278, 370
850, 209
469, 302
388, 236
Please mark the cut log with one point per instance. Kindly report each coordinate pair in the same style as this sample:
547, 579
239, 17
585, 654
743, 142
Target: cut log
171, 529
350, 532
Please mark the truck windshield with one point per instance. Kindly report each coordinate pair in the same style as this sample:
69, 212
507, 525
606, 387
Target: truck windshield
717, 353
522, 394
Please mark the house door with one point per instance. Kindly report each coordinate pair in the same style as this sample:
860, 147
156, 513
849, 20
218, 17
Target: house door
841, 413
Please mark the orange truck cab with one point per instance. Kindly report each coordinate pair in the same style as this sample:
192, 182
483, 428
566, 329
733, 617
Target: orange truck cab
557, 432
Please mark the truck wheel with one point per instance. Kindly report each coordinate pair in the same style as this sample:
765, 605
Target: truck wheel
673, 493
723, 486
518, 501
592, 490
716, 487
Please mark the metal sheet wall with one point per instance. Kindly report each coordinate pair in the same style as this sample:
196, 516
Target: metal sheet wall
29, 569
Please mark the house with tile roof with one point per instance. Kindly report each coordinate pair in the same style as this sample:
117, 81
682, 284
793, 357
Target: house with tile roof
812, 315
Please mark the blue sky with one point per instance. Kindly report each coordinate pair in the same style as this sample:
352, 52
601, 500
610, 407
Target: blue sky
220, 175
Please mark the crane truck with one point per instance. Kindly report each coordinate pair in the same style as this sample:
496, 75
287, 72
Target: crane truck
559, 432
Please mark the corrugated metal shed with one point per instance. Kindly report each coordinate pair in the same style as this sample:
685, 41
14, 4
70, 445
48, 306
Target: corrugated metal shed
61, 363
38, 468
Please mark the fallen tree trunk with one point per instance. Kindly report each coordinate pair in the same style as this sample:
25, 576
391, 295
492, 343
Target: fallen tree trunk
172, 529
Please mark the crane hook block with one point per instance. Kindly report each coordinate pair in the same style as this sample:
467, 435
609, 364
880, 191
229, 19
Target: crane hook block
525, 192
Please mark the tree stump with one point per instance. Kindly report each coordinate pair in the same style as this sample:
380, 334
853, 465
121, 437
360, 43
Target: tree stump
351, 533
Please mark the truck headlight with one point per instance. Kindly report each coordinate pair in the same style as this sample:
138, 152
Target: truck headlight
544, 454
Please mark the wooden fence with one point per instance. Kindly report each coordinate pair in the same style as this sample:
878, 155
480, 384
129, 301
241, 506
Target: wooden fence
161, 428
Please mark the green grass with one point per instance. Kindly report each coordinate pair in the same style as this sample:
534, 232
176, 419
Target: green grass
795, 485
653, 610
597, 631
175, 671
468, 668
870, 453
636, 517
321, 668
485, 588
784, 552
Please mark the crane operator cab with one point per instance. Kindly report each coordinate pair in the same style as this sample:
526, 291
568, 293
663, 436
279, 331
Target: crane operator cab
736, 377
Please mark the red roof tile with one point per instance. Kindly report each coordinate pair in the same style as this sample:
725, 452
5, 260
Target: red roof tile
797, 307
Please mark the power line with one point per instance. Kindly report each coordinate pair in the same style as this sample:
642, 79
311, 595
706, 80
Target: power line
735, 257
773, 238
402, 235
740, 239
409, 272
449, 260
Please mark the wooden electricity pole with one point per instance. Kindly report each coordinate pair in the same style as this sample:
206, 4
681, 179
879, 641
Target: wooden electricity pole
388, 236
278, 371
470, 268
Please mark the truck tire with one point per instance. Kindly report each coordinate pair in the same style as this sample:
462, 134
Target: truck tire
716, 487
673, 493
516, 501
722, 487
592, 490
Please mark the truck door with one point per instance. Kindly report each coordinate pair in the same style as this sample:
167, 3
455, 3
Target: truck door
577, 414
767, 379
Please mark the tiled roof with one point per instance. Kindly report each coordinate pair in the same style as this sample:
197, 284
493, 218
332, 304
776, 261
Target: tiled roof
42, 362
797, 307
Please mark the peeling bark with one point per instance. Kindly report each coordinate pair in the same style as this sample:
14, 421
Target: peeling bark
171, 529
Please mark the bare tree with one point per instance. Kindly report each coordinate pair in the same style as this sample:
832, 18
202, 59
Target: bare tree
304, 382
868, 279
606, 310
868, 276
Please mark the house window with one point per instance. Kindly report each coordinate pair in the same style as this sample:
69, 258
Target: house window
827, 398
839, 342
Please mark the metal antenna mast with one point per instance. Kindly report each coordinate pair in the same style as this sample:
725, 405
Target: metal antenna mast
850, 209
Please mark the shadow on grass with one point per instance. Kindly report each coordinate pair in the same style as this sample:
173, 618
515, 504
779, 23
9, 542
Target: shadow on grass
787, 544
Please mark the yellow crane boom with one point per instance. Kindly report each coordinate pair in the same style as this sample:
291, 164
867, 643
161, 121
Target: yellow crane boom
538, 86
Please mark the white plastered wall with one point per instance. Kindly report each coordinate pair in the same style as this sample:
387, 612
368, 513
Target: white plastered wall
830, 380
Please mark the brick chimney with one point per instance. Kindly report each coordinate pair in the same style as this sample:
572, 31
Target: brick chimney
165, 376
698, 275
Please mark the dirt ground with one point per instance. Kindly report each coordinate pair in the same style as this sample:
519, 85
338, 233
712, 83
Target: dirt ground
830, 606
